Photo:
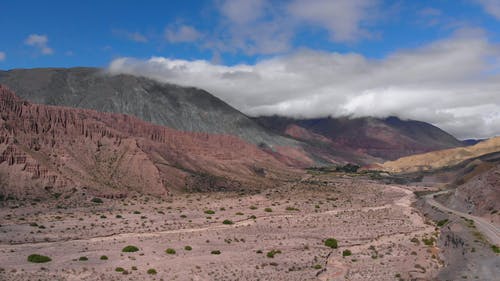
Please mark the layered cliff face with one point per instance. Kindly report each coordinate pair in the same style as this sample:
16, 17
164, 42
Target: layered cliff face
366, 139
49, 150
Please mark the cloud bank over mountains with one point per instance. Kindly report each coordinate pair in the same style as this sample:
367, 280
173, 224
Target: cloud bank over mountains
453, 83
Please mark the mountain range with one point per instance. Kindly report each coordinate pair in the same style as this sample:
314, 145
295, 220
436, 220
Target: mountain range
298, 142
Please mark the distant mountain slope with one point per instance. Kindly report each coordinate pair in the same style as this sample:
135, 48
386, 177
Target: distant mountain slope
388, 138
54, 151
442, 158
181, 108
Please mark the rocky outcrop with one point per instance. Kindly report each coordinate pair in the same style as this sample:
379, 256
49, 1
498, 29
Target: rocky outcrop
50, 150
442, 158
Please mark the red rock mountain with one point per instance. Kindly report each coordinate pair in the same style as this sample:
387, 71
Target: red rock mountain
52, 150
363, 140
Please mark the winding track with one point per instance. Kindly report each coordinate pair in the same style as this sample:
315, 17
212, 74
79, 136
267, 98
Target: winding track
488, 229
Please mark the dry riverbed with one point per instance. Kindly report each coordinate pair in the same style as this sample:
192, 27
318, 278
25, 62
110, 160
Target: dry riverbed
276, 234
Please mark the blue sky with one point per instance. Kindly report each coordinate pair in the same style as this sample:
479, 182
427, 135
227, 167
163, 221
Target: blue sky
436, 61
92, 33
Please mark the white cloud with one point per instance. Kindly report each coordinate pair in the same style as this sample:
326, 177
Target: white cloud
242, 11
492, 7
342, 18
132, 36
3, 55
40, 42
181, 34
452, 83
266, 27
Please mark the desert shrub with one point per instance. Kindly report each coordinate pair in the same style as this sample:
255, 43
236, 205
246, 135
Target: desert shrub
428, 241
442, 222
346, 253
103, 258
228, 222
253, 208
97, 200
134, 267
269, 210
151, 271
215, 252
495, 249
239, 214
349, 168
317, 266
119, 269
290, 208
38, 258
170, 251
209, 212
272, 253
188, 248
130, 249
83, 259
332, 243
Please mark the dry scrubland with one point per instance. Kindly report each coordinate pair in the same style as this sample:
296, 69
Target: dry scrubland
276, 234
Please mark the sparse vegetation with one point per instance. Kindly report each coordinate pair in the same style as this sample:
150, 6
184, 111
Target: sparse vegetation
36, 258
228, 222
215, 252
119, 269
83, 259
130, 249
209, 212
188, 248
170, 251
346, 253
151, 271
103, 258
97, 200
495, 249
332, 243
269, 210
442, 222
272, 253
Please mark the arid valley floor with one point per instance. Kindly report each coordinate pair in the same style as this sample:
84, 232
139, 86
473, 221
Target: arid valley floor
375, 222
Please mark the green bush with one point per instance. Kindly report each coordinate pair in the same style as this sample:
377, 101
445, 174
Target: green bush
130, 249
119, 269
170, 251
227, 222
151, 271
272, 253
215, 252
317, 266
429, 241
83, 259
209, 212
97, 200
104, 258
38, 258
332, 243
188, 248
268, 210
495, 249
346, 253
442, 222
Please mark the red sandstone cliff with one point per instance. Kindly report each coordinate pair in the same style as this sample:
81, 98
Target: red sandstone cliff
49, 150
